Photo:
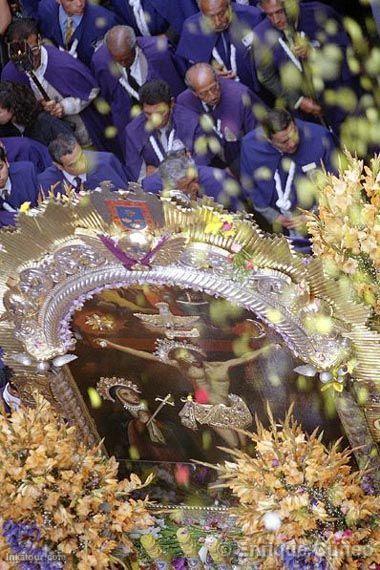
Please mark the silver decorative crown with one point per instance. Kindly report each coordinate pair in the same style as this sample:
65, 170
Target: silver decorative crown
164, 347
105, 384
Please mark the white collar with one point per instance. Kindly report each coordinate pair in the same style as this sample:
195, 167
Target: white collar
71, 178
7, 188
41, 70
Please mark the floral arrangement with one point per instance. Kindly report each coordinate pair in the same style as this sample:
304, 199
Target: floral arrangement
346, 230
300, 505
61, 505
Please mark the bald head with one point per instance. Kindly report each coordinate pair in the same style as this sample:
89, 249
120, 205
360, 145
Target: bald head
203, 80
217, 12
121, 43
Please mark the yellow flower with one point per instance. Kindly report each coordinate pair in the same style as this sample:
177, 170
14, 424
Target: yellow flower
25, 207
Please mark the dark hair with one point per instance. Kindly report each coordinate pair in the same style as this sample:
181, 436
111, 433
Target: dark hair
276, 121
3, 154
156, 91
61, 146
20, 100
21, 29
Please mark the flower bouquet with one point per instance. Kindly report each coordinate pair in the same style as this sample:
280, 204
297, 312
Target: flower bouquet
346, 229
301, 506
61, 505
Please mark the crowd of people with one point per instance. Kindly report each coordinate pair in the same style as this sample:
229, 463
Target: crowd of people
238, 100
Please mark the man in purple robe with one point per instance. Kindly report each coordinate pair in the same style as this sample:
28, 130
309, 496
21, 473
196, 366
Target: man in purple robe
285, 44
177, 11
221, 34
18, 184
25, 149
79, 170
141, 15
179, 177
163, 127
227, 107
75, 25
64, 85
123, 64
275, 160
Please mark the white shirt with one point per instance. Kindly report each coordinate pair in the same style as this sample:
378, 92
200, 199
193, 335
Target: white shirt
139, 67
138, 70
70, 178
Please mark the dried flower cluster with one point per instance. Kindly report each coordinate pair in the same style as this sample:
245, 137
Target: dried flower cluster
346, 230
299, 499
51, 482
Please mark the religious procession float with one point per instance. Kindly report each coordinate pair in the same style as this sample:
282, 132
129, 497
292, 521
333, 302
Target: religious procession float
194, 394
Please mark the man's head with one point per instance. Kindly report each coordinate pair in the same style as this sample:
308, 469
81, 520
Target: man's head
68, 155
275, 11
179, 172
157, 103
218, 13
121, 43
203, 80
73, 7
24, 32
282, 131
4, 167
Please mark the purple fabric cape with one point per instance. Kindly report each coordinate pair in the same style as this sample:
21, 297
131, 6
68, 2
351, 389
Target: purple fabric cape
177, 11
25, 149
212, 182
161, 65
106, 167
95, 22
157, 22
24, 189
196, 44
316, 145
70, 78
234, 108
138, 148
313, 17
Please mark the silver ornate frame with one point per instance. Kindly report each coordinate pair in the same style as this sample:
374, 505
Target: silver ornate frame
55, 261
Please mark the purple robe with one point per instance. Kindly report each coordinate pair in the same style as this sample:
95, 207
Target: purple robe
104, 167
196, 44
23, 148
95, 22
213, 182
156, 21
234, 111
70, 78
313, 20
177, 11
23, 189
138, 148
316, 148
161, 65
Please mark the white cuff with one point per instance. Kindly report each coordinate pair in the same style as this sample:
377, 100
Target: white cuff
298, 102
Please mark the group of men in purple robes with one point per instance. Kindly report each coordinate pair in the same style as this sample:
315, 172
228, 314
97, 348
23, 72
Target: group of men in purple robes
145, 83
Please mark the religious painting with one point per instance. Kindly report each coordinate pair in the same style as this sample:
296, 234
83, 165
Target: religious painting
180, 375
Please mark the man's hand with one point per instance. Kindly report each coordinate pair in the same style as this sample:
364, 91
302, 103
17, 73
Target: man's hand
55, 109
286, 222
226, 74
302, 51
310, 107
295, 222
